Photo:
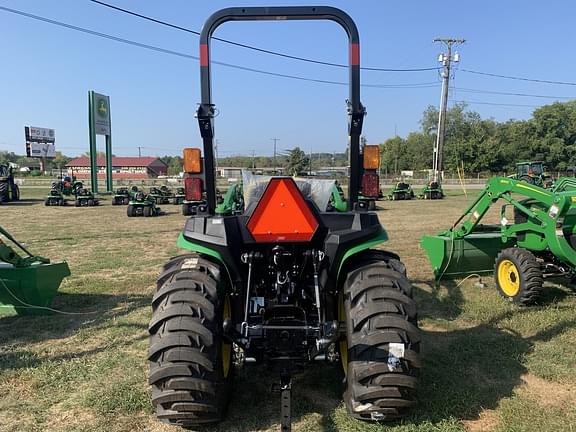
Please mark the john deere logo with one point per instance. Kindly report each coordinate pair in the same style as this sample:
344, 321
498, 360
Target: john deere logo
102, 108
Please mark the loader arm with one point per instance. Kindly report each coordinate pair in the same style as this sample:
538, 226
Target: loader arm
546, 223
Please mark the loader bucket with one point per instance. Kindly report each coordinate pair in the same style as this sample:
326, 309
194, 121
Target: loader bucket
476, 253
34, 285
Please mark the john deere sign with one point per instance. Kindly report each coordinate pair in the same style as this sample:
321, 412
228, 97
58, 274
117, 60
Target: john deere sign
101, 114
99, 121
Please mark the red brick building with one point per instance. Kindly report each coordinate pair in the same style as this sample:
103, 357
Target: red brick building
122, 167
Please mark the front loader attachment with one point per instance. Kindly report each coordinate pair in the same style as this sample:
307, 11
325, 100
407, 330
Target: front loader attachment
451, 256
28, 283
27, 290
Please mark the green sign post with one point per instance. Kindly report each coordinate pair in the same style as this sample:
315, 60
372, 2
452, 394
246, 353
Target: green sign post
99, 124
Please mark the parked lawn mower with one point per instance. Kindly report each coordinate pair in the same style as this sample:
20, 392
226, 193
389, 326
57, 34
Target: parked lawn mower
122, 196
537, 241
84, 197
283, 283
143, 205
179, 196
161, 195
433, 190
233, 202
28, 282
402, 191
9, 190
55, 196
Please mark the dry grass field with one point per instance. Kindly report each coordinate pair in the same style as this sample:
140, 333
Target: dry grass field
489, 366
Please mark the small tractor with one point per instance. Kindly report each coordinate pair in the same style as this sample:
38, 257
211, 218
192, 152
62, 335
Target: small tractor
28, 282
283, 284
535, 239
142, 205
55, 196
402, 191
432, 190
84, 197
233, 202
179, 196
122, 196
9, 190
533, 172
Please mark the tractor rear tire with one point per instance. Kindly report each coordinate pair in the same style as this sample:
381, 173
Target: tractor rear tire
4, 196
528, 179
147, 211
130, 210
90, 203
190, 362
383, 342
518, 276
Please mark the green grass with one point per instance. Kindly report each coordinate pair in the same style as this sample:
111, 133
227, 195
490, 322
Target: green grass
488, 365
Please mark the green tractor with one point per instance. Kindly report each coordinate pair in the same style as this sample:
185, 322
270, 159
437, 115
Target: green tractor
402, 191
432, 190
535, 239
142, 204
122, 195
28, 282
337, 201
84, 197
533, 172
283, 284
9, 190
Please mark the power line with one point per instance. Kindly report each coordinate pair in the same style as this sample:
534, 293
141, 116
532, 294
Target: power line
192, 57
494, 104
470, 90
251, 47
519, 78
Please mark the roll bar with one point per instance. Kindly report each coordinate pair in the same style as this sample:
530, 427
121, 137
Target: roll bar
205, 112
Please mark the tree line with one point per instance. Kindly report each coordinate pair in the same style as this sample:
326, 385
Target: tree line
485, 145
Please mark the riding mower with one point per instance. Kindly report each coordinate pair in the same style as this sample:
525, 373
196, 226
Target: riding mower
143, 205
402, 191
433, 190
283, 284
179, 196
84, 197
535, 242
121, 196
161, 195
55, 196
337, 200
28, 282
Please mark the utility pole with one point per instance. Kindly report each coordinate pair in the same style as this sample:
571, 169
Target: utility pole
446, 59
310, 162
253, 160
275, 141
139, 151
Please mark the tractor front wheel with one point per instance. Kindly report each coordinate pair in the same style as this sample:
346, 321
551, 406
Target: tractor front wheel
381, 352
190, 361
518, 276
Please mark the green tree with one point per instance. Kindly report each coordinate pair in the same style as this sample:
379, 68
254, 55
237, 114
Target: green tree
297, 161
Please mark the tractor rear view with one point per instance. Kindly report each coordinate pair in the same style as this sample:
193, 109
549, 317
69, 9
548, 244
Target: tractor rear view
9, 190
284, 283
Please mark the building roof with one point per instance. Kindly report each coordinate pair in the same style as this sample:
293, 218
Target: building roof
117, 161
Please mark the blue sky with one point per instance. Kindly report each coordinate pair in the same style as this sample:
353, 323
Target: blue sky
47, 71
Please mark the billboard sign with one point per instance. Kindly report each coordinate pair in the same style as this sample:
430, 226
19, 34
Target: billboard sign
40, 142
101, 114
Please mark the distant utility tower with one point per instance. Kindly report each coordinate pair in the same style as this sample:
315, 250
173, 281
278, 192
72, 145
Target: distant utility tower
446, 59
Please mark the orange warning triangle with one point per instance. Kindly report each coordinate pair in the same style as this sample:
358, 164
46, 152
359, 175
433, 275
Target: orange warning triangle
282, 214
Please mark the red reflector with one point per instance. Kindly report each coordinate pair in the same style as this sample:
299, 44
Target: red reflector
193, 189
370, 185
282, 214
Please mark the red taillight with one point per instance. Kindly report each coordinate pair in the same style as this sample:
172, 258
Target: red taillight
282, 214
370, 185
193, 189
